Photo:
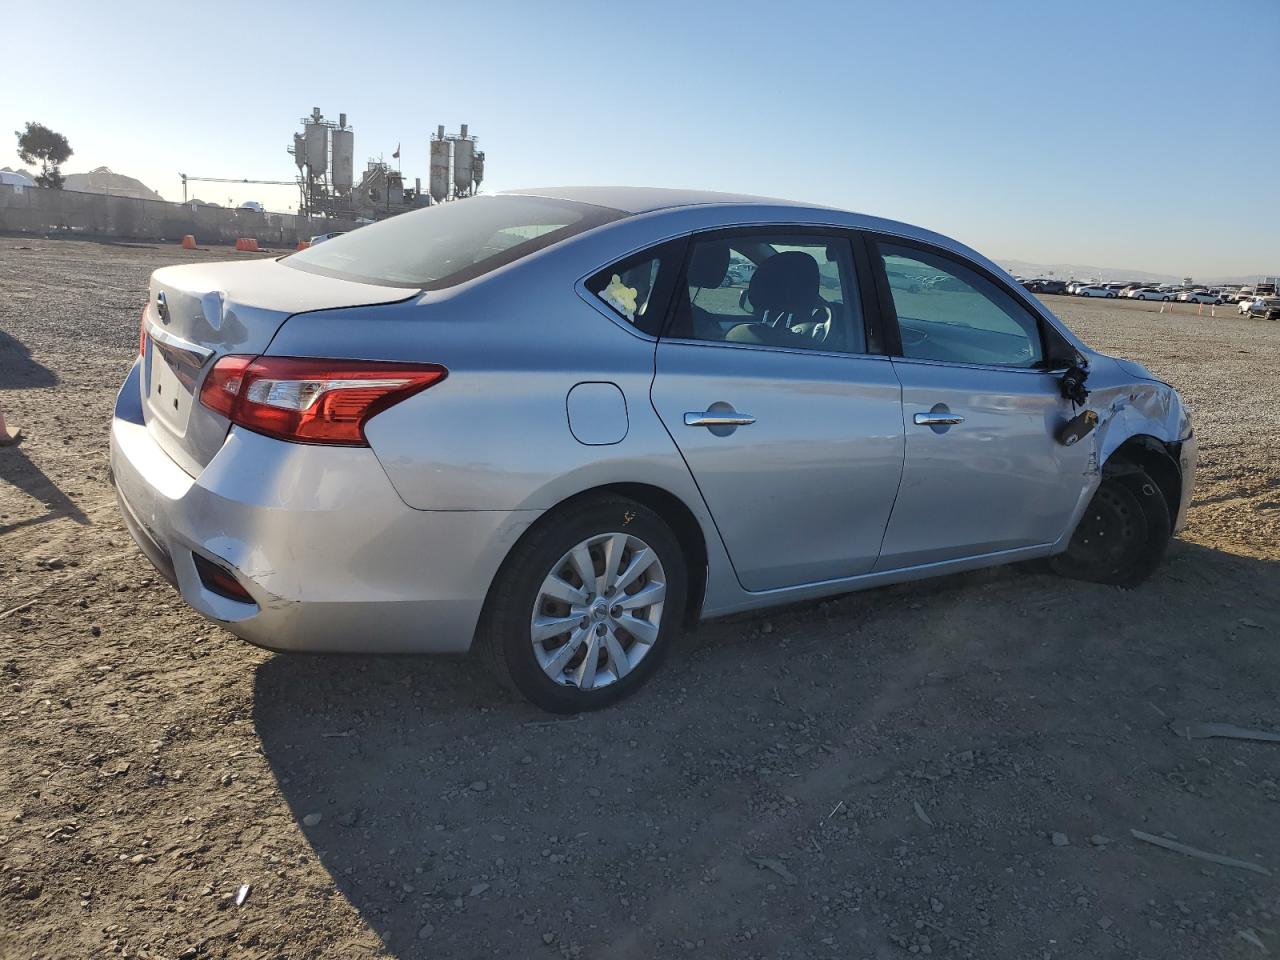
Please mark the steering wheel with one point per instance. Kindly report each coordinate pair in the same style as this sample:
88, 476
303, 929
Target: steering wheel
912, 337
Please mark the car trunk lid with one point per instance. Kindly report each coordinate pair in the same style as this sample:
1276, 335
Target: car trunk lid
199, 312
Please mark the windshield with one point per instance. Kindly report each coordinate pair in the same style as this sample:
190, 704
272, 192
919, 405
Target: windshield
448, 243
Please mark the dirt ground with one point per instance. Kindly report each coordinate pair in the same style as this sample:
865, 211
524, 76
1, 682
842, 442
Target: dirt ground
946, 768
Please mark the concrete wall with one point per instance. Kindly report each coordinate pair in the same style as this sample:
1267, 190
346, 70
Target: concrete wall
72, 214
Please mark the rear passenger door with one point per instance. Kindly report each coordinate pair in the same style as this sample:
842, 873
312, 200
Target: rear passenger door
791, 427
981, 406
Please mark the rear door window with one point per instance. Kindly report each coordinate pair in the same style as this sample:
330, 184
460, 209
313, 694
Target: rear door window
771, 289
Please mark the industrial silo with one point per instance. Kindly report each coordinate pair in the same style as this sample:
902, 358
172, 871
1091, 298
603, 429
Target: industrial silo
439, 179
317, 137
463, 163
343, 160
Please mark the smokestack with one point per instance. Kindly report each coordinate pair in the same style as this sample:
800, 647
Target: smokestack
464, 131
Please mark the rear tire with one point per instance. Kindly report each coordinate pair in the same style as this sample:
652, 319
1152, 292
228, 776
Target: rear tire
612, 532
1122, 536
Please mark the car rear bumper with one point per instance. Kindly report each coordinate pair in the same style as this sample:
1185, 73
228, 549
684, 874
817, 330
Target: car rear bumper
330, 556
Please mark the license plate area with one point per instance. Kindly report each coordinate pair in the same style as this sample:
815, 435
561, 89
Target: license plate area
175, 372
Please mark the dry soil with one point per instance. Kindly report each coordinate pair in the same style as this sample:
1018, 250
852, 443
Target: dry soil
946, 768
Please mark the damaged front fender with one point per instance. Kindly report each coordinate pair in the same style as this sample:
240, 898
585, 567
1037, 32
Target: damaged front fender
1135, 409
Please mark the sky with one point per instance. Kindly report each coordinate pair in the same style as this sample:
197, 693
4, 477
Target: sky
1141, 135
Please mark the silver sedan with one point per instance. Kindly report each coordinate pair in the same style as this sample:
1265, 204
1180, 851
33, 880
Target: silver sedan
560, 426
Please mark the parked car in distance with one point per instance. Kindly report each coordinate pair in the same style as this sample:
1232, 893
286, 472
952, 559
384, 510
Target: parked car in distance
1096, 291
1199, 296
740, 271
1265, 308
539, 423
1149, 293
253, 205
322, 237
1044, 285
1261, 307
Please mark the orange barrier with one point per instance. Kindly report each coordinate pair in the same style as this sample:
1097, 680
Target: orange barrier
188, 242
303, 244
247, 244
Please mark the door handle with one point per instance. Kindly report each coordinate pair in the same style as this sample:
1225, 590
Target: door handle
937, 419
714, 418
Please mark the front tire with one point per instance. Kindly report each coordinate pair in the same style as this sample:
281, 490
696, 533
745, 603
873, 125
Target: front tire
1123, 534
586, 606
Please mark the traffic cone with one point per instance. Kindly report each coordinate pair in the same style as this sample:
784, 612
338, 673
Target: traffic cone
188, 242
8, 435
303, 244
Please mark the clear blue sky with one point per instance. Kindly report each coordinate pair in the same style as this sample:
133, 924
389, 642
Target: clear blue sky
1128, 134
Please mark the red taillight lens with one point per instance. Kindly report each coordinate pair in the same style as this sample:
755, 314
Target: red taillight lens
221, 388
311, 401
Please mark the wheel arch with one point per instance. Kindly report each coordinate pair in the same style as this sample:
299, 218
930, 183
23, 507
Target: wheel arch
671, 508
1154, 458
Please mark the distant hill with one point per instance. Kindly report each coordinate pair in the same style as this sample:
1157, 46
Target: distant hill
103, 180
1064, 271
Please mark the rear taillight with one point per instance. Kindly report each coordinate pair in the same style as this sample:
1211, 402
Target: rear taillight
311, 401
221, 388
142, 333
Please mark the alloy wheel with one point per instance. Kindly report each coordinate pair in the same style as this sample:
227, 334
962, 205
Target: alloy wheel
598, 611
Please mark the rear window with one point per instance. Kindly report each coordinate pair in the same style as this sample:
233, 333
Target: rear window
449, 243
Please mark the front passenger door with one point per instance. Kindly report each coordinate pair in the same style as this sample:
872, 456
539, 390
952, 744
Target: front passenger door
983, 471
791, 429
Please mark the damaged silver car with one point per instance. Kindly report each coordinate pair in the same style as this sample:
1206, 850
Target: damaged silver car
561, 425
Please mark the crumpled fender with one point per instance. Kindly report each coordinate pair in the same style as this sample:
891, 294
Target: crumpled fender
1131, 402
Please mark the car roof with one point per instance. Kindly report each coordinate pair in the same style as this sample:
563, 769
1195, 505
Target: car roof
648, 199
640, 203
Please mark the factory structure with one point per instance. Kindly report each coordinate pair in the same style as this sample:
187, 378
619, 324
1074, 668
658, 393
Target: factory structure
324, 153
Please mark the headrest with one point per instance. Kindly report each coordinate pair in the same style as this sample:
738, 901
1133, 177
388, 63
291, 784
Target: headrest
787, 282
709, 264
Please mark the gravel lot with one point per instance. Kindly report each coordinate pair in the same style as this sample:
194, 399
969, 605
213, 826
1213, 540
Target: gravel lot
951, 768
